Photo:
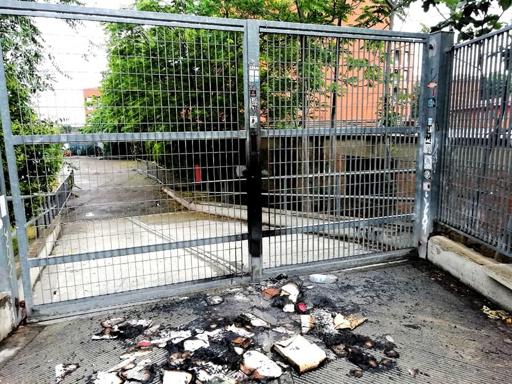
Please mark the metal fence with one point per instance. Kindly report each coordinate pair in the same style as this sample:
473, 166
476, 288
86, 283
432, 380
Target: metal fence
209, 148
50, 205
476, 178
340, 116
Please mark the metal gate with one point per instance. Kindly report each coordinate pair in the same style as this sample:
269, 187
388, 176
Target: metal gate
477, 151
171, 151
339, 131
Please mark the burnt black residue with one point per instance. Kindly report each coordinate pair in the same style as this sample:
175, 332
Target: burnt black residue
367, 361
350, 339
361, 358
321, 301
343, 337
278, 278
242, 321
355, 348
229, 336
318, 300
152, 369
221, 353
173, 348
209, 322
281, 301
128, 331
391, 353
412, 326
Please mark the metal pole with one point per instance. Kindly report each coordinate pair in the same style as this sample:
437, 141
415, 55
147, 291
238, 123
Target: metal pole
8, 278
252, 127
433, 103
442, 104
19, 209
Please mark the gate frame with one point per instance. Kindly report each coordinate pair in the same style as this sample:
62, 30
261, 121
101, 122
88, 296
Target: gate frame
8, 278
253, 134
253, 141
6, 248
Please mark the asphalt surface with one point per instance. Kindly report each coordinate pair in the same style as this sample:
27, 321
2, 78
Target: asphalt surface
435, 321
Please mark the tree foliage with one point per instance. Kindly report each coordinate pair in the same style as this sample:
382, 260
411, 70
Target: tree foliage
472, 18
161, 78
23, 52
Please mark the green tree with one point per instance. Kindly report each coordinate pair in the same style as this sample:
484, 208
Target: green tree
135, 90
174, 79
38, 165
471, 18
162, 79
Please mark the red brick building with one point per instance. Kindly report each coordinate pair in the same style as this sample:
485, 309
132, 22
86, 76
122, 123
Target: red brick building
91, 96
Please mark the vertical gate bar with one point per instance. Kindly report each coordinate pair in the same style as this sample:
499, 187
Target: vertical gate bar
434, 89
8, 278
441, 117
19, 209
252, 127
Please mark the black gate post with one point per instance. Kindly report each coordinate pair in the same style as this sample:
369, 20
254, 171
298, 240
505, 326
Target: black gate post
433, 108
252, 127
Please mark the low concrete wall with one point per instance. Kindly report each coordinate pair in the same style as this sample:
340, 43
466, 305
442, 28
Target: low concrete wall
470, 267
286, 218
50, 238
7, 318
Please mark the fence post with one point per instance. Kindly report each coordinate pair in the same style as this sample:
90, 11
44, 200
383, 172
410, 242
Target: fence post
18, 205
252, 126
436, 73
8, 278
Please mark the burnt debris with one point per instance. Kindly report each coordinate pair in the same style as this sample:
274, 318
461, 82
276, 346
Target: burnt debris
291, 329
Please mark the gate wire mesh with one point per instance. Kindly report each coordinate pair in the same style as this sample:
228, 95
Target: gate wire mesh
476, 173
340, 117
133, 150
132, 196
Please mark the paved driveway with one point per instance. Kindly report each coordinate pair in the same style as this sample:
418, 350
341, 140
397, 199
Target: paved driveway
116, 206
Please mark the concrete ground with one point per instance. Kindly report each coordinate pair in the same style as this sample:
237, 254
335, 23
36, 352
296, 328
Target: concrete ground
435, 321
115, 206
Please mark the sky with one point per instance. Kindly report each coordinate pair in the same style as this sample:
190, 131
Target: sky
79, 57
